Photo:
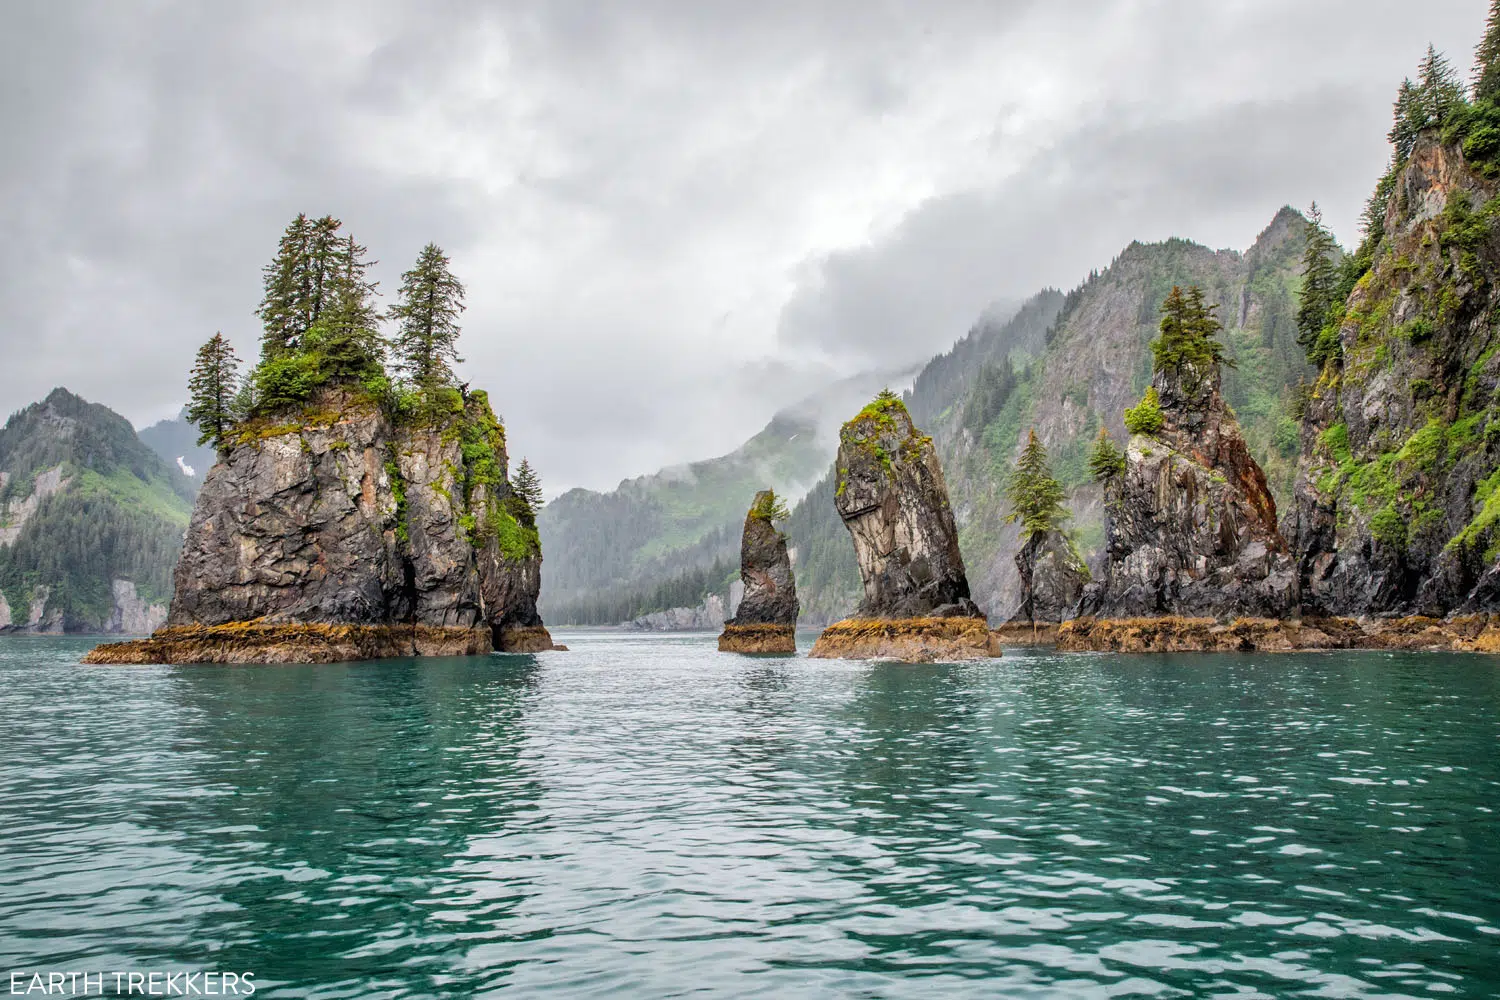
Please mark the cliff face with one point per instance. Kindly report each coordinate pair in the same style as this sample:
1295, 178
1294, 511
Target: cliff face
766, 619
1057, 575
1397, 500
1192, 524
891, 496
342, 517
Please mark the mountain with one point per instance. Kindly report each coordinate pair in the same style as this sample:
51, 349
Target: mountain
1091, 360
91, 521
617, 555
176, 441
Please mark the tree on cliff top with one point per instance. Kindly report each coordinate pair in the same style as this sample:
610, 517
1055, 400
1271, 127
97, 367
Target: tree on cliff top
320, 322
1106, 461
1320, 289
1035, 496
212, 387
426, 313
769, 507
1487, 58
526, 487
1188, 328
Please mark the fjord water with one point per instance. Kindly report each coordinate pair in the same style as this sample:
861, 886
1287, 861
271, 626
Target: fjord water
643, 816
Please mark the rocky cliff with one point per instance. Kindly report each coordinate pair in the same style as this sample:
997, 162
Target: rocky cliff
90, 521
891, 496
766, 618
1191, 522
1057, 574
1397, 503
339, 515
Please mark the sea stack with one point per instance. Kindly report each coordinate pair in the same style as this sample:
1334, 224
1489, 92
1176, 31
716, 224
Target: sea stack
766, 621
1053, 576
1192, 525
891, 496
339, 532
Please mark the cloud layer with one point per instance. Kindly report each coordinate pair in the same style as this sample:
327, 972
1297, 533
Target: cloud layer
672, 218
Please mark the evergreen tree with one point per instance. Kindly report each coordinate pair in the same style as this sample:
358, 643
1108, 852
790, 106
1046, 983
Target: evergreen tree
1442, 91
345, 331
1320, 280
1035, 496
527, 485
770, 508
283, 309
1410, 118
1106, 461
212, 388
426, 314
1188, 333
1487, 59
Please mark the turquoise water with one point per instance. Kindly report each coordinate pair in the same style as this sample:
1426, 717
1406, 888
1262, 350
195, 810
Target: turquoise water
645, 817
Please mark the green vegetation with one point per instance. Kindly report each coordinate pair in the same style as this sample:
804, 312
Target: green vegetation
1106, 461
1145, 417
1187, 347
1319, 305
398, 490
1035, 496
769, 507
526, 494
212, 388
426, 315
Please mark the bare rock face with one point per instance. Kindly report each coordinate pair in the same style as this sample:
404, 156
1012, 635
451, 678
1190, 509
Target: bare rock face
766, 620
1192, 524
891, 496
342, 517
1057, 575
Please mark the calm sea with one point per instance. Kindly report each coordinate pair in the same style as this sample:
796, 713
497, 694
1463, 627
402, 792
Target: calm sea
645, 817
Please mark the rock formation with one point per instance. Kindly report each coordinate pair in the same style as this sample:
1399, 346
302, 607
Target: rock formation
766, 620
1397, 499
891, 496
1057, 576
341, 516
1191, 525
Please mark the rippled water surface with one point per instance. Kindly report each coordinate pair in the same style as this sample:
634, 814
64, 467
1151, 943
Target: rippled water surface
645, 817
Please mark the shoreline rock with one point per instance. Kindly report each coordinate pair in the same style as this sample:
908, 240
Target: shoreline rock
357, 534
758, 638
766, 619
892, 498
910, 640
1170, 634
255, 642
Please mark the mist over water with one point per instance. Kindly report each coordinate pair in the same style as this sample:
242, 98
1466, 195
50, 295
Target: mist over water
643, 816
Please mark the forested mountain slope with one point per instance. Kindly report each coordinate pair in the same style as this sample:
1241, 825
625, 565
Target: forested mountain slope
667, 539
91, 521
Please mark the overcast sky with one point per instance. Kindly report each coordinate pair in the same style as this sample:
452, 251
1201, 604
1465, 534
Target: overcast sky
672, 217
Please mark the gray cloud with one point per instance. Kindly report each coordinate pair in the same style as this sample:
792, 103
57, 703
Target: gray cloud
672, 218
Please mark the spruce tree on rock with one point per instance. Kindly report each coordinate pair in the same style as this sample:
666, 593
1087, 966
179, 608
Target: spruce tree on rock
426, 314
1106, 461
1487, 59
212, 388
1035, 496
346, 330
284, 309
1442, 91
1320, 279
1188, 333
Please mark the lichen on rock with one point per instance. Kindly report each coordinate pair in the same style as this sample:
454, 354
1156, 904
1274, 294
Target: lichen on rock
344, 514
891, 496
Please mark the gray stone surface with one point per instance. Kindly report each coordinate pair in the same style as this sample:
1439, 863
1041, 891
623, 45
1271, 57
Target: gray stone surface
892, 498
306, 525
770, 596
